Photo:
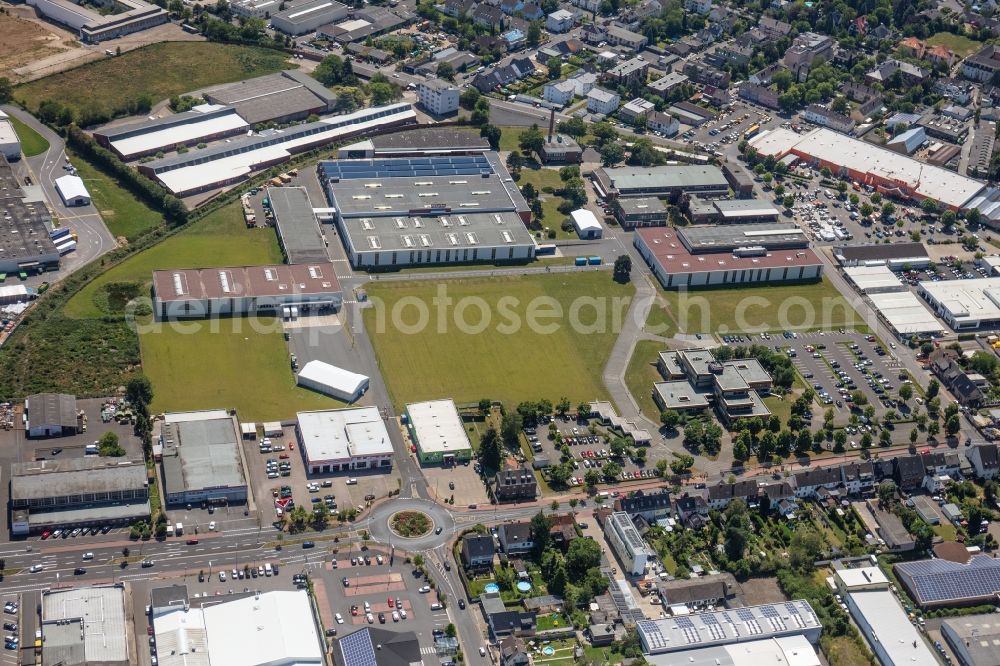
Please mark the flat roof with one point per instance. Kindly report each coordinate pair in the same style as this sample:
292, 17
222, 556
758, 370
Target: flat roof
7, 133
726, 237
641, 205
736, 208
297, 226
749, 369
667, 249
680, 395
303, 12
101, 608
881, 251
75, 476
275, 95
40, 518
977, 635
662, 178
274, 281
431, 139
906, 313
188, 127
342, 434
967, 300
861, 577
673, 634
201, 451
344, 381
890, 626
438, 426
869, 278
51, 409
784, 651
24, 225
832, 147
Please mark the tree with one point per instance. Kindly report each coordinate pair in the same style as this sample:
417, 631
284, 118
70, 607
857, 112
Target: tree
469, 97
839, 105
574, 127
583, 410
490, 451
540, 532
109, 447
806, 547
334, 71
933, 428
534, 35
492, 134
623, 268
139, 391
510, 430
913, 436
563, 406
788, 202
736, 542
929, 206
612, 154
481, 115
948, 219
670, 418
592, 478
866, 209
450, 630
694, 435
839, 440
6, 90
446, 71
932, 389
612, 471
555, 67
582, 556
906, 392
886, 492
952, 425
531, 140
682, 463
782, 80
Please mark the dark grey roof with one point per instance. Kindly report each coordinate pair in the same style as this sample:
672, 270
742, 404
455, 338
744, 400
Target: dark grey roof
937, 582
430, 138
297, 226
881, 251
171, 595
988, 455
819, 476
272, 96
75, 476
477, 546
389, 648
641, 502
51, 409
516, 532
706, 588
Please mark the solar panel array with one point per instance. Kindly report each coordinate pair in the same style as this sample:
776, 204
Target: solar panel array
357, 649
406, 167
940, 580
714, 628
651, 631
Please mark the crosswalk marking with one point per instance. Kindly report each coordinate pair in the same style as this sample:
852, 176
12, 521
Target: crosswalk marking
427, 650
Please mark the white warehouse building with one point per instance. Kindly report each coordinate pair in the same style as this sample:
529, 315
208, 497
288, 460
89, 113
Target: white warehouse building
339, 440
333, 381
73, 191
10, 144
304, 18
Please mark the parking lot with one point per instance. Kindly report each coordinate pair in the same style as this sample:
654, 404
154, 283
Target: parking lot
728, 128
461, 482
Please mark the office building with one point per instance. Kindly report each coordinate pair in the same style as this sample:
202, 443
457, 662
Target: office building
281, 289
341, 440
202, 458
633, 212
102, 20
438, 96
436, 429
432, 210
45, 494
625, 540
730, 211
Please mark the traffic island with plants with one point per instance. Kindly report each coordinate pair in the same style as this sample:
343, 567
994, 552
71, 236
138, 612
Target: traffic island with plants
410, 524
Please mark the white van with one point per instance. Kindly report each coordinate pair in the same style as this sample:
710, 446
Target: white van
268, 569
352, 482
436, 607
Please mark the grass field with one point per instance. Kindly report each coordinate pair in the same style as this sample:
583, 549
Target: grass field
799, 307
124, 214
641, 374
551, 217
660, 320
234, 366
169, 68
845, 651
514, 357
220, 239
509, 136
32, 143
962, 46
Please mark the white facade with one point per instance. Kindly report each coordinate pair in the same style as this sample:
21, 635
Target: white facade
587, 5
437, 96
262, 9
73, 191
632, 551
586, 224
964, 303
602, 101
698, 6
10, 144
94, 27
559, 92
333, 381
306, 17
561, 20
339, 440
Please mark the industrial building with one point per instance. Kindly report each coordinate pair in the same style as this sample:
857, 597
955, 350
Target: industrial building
973, 638
340, 440
303, 18
78, 491
964, 304
785, 651
85, 626
667, 182
418, 141
275, 628
586, 224
51, 415
261, 9
625, 540
873, 279
202, 460
203, 123
938, 583
679, 260
436, 429
895, 256
730, 211
887, 629
885, 170
72, 190
25, 244
397, 212
632, 212
279, 98
239, 158
298, 230
287, 289
10, 143
93, 25
333, 381
905, 313
438, 96
728, 627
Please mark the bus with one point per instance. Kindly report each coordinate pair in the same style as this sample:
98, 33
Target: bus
751, 131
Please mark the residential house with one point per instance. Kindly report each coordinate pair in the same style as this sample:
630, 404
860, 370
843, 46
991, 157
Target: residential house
777, 492
698, 6
731, 53
908, 472
663, 123
984, 460
561, 20
909, 74
652, 506
515, 483
587, 5
965, 389
763, 77
692, 510
503, 75
859, 92
559, 92
859, 477
458, 8
954, 89
515, 537
477, 551
824, 117
710, 590
774, 28
562, 529
503, 622
633, 17
601, 634
808, 481
760, 95
947, 463
625, 73
721, 494
880, 32
701, 72
805, 50
637, 108
488, 17
912, 47
667, 83
561, 49
602, 101
618, 36
940, 55
511, 7
513, 652
983, 64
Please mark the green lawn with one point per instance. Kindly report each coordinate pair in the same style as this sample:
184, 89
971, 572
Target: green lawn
641, 374
32, 143
220, 239
945, 530
661, 321
509, 136
124, 214
167, 68
962, 46
551, 217
238, 365
782, 408
799, 307
516, 356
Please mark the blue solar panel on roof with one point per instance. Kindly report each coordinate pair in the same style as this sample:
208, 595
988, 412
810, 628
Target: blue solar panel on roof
708, 618
769, 611
792, 608
684, 622
744, 614
357, 649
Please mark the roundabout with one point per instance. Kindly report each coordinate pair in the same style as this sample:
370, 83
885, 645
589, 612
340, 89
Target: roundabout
401, 522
